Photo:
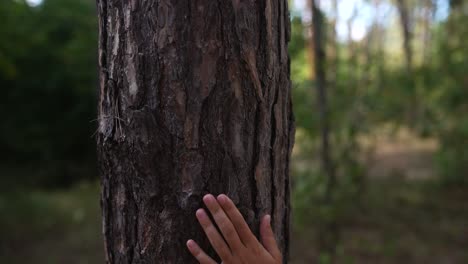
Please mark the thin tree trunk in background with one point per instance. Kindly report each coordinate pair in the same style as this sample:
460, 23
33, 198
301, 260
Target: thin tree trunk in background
310, 42
358, 83
407, 29
429, 12
407, 33
320, 79
380, 42
328, 236
334, 46
321, 83
353, 75
195, 98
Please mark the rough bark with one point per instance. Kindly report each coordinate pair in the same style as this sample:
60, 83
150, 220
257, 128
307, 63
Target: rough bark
194, 98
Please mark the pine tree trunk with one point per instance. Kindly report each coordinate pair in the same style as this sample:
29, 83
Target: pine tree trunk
195, 98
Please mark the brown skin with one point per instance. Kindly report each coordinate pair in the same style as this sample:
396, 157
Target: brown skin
239, 244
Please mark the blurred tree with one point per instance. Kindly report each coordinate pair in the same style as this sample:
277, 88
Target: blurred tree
429, 9
328, 236
407, 23
194, 98
334, 45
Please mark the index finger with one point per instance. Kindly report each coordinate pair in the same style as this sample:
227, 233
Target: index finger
245, 234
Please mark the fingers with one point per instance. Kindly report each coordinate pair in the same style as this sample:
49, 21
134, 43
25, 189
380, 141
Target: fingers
198, 253
223, 222
268, 237
213, 236
243, 230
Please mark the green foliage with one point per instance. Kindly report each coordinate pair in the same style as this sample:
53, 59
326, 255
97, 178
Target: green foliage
48, 76
51, 226
453, 121
369, 88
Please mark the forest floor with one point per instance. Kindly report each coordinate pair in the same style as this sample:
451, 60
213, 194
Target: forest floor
399, 222
404, 217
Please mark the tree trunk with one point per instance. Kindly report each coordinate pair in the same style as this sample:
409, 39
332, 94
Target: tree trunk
318, 26
429, 10
310, 53
334, 56
328, 236
406, 27
195, 98
406, 22
379, 42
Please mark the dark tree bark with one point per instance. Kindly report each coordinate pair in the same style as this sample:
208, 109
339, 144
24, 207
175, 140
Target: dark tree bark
195, 98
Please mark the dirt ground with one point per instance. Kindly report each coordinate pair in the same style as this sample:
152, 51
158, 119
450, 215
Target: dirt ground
405, 218
401, 154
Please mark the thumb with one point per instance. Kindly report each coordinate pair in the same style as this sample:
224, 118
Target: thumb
268, 237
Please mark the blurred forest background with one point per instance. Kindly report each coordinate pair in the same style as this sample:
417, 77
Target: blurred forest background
380, 168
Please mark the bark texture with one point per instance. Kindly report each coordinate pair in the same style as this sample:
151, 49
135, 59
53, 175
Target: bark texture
195, 98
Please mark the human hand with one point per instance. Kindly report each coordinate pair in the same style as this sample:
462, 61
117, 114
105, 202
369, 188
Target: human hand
242, 246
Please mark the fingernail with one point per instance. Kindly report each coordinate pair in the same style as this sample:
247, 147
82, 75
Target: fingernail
222, 198
268, 218
208, 198
200, 213
190, 244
